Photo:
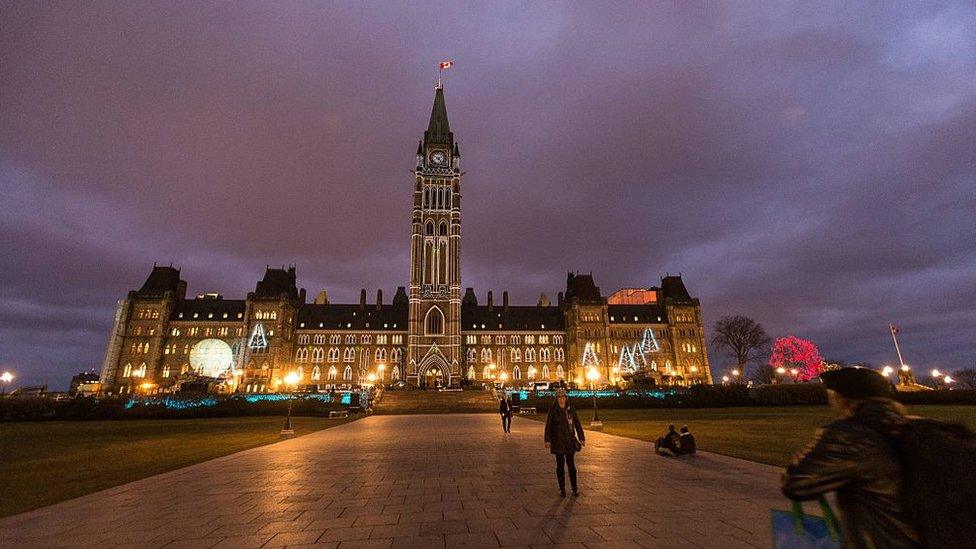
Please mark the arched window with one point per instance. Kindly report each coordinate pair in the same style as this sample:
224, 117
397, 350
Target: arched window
529, 354
499, 340
350, 339
485, 373
318, 354
472, 355
559, 354
332, 373
443, 229
516, 373
544, 355
302, 354
316, 374
516, 355
127, 371
366, 339
559, 372
471, 373
303, 339
516, 340
448, 203
545, 371
380, 355
532, 372
395, 374
429, 228
347, 373
434, 321
334, 354
395, 355
349, 355
486, 355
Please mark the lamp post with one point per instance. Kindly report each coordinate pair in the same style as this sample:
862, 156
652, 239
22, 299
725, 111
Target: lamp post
5, 379
592, 375
290, 381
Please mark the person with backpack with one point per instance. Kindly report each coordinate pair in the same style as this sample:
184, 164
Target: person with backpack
667, 445
856, 457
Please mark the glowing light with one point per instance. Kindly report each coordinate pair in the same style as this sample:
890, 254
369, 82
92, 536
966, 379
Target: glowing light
794, 371
6, 377
589, 356
381, 367
592, 375
735, 372
948, 379
258, 339
632, 357
693, 368
292, 378
725, 379
147, 385
905, 367
371, 377
887, 371
781, 370
936, 373
504, 376
211, 357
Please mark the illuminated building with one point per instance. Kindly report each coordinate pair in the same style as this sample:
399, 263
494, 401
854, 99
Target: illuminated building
428, 335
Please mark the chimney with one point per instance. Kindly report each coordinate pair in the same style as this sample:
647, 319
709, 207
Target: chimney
559, 299
301, 296
505, 301
362, 298
491, 302
379, 299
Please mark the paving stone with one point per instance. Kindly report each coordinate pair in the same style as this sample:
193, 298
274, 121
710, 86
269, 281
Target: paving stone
423, 482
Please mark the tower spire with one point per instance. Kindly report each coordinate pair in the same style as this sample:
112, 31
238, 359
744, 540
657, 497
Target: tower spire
439, 129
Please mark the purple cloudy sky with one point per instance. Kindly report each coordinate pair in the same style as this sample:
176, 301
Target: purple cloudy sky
812, 166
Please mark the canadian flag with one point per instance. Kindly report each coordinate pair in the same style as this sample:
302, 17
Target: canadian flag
894, 329
446, 64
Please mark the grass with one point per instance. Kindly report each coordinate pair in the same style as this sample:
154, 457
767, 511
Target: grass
47, 462
764, 434
472, 401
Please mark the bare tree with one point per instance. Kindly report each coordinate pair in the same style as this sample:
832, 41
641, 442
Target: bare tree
965, 378
741, 339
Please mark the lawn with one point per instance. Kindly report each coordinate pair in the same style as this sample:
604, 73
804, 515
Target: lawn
47, 462
767, 434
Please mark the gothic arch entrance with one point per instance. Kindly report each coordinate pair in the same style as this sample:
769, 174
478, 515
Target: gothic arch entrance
434, 372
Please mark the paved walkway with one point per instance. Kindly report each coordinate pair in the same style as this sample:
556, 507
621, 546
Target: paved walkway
419, 482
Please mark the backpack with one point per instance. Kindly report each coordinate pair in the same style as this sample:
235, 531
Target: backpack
939, 481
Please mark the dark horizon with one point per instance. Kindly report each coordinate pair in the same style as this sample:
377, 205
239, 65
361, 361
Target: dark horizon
809, 167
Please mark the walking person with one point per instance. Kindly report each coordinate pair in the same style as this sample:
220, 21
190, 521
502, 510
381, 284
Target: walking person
564, 437
505, 409
854, 458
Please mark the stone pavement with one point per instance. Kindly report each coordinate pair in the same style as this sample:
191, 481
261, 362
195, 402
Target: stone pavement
422, 481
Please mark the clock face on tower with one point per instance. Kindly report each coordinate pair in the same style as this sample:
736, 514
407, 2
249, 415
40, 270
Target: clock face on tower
438, 158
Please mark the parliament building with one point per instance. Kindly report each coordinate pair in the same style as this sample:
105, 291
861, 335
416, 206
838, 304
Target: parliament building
429, 334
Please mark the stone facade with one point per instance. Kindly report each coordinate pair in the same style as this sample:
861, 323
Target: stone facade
428, 335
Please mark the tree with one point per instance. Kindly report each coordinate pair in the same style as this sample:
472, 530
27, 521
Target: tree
791, 352
965, 378
765, 374
742, 339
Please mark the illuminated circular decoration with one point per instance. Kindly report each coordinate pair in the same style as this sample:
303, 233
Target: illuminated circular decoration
211, 357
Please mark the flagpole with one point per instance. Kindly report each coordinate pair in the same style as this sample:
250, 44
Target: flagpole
891, 329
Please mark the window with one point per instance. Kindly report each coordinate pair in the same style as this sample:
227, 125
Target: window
350, 339
395, 374
366, 340
175, 332
301, 355
397, 339
544, 354
485, 373
429, 229
332, 373
335, 339
319, 339
530, 340
434, 321
472, 355
529, 354
349, 355
543, 340
127, 371
471, 373
558, 340
318, 354
499, 340
559, 372
516, 373
471, 340
559, 354
380, 355
516, 340
443, 229
166, 371
316, 374
334, 354
395, 355
347, 373
381, 339
545, 371
486, 340
486, 355
516, 355
301, 373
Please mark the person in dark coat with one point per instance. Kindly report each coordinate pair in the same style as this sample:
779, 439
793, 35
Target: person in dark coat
853, 458
687, 445
668, 444
505, 409
564, 437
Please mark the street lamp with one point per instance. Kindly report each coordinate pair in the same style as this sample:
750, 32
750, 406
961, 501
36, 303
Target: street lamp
593, 375
5, 378
794, 372
725, 379
147, 386
291, 380
887, 371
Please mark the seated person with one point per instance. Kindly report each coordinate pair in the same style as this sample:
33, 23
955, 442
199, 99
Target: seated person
687, 442
668, 444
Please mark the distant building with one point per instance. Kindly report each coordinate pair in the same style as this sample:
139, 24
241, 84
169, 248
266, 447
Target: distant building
85, 383
428, 335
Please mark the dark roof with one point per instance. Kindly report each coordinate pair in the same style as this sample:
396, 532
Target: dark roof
352, 317
582, 288
439, 129
160, 281
204, 308
400, 297
277, 282
672, 287
519, 317
625, 314
469, 299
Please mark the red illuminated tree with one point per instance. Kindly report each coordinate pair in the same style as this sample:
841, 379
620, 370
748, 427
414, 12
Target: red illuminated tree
791, 352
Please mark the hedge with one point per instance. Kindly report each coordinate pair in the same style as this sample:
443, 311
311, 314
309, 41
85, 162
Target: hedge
32, 409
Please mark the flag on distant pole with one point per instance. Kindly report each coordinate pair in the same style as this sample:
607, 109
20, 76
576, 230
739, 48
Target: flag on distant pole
443, 65
894, 329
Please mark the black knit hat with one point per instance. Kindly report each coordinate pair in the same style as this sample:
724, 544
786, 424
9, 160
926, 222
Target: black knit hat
856, 383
